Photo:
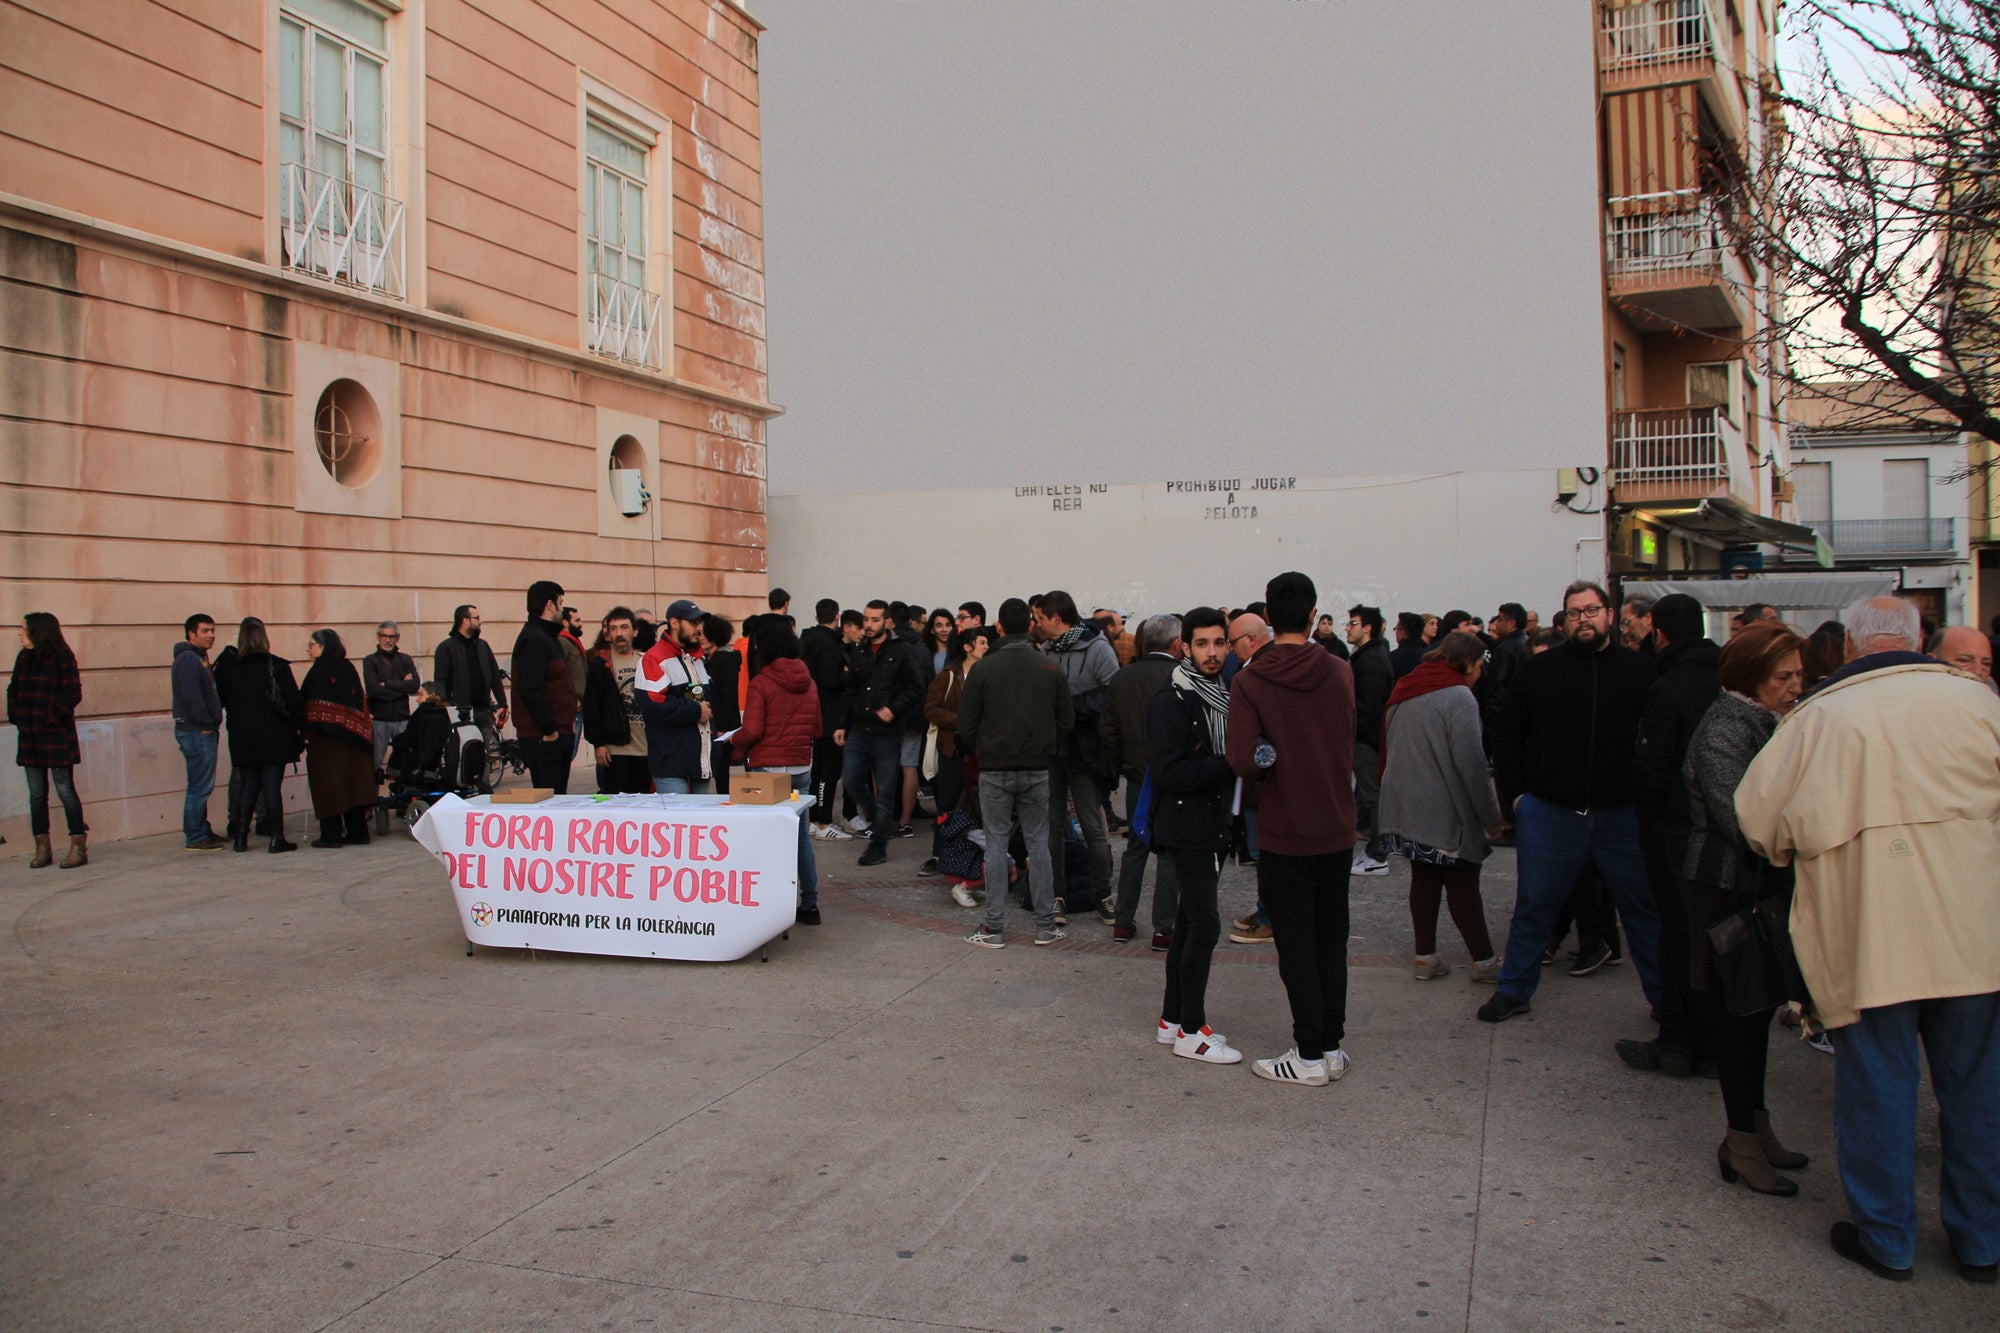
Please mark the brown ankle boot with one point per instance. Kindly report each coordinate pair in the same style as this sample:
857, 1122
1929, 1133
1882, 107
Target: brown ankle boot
1776, 1153
1741, 1155
79, 855
43, 856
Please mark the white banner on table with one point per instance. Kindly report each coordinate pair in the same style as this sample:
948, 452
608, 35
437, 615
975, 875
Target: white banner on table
690, 877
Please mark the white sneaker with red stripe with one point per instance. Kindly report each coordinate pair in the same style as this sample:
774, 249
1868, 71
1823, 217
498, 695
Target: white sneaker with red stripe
1169, 1033
1206, 1045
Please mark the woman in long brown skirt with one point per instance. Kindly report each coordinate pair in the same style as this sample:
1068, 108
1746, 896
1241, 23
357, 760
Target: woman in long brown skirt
340, 739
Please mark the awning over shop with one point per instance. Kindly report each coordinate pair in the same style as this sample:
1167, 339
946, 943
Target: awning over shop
1734, 523
1787, 592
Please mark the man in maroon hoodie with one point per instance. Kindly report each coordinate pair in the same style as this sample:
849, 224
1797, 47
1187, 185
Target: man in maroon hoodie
1292, 708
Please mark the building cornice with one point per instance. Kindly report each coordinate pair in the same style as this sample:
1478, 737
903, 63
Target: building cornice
282, 282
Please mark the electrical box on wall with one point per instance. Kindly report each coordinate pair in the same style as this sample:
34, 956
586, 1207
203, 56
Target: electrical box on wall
1567, 483
628, 488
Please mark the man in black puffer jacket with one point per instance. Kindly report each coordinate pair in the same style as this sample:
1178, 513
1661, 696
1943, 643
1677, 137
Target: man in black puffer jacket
1563, 761
1687, 684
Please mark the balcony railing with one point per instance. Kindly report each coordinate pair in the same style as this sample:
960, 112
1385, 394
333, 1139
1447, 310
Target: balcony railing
340, 231
1888, 536
1672, 453
624, 322
1650, 35
1669, 255
1674, 231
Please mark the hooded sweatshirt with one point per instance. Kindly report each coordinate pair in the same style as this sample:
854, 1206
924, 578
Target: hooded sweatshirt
1300, 699
196, 702
781, 717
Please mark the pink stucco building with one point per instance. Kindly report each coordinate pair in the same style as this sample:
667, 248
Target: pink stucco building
332, 311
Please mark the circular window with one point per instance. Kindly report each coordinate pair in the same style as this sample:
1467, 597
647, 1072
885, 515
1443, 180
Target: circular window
627, 476
347, 431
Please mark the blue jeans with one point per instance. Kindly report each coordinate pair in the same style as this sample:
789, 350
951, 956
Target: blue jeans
882, 758
1010, 798
808, 867
198, 748
1875, 1123
678, 786
64, 780
1553, 846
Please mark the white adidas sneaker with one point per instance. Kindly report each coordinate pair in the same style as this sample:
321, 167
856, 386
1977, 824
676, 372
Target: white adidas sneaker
1290, 1068
1207, 1045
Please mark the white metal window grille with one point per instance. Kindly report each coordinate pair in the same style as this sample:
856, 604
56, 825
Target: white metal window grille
1812, 492
622, 313
1906, 488
336, 217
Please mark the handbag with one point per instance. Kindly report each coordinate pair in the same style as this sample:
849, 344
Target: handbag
1754, 958
929, 768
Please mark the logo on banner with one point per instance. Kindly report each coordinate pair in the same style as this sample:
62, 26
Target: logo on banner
482, 915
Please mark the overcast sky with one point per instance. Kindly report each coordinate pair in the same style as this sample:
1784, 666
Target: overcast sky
1027, 241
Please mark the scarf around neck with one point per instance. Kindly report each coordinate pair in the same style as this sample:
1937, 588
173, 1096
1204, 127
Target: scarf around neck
1068, 639
1213, 696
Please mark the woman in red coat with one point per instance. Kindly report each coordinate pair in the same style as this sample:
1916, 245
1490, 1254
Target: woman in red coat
781, 720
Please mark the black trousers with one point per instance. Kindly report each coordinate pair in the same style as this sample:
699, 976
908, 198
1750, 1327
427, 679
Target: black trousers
1684, 1026
252, 783
1306, 899
548, 762
827, 761
1197, 926
625, 775
1590, 910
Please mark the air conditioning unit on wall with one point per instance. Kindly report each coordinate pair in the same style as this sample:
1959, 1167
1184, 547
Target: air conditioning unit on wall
628, 488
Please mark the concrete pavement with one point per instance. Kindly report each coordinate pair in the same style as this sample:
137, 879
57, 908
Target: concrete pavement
255, 1092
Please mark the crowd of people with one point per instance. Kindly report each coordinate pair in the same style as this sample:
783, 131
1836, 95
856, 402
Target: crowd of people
1786, 820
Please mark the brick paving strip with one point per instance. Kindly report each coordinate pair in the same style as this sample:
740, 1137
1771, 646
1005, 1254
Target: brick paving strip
851, 894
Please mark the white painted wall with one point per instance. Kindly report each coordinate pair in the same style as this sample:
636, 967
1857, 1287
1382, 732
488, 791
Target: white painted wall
1124, 240
1404, 542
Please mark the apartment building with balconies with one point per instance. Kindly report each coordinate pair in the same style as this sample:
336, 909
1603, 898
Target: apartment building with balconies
336, 311
1884, 483
1698, 432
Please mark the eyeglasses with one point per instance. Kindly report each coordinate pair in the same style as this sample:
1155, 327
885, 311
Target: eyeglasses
391, 637
1588, 612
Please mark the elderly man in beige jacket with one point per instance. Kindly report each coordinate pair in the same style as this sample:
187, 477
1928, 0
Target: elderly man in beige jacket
1883, 789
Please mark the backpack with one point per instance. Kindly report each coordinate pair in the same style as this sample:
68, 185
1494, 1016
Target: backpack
1142, 810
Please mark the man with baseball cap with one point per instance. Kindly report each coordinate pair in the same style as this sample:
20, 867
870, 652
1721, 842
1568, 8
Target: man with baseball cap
671, 688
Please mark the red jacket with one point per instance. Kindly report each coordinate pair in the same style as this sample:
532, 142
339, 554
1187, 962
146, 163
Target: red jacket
780, 717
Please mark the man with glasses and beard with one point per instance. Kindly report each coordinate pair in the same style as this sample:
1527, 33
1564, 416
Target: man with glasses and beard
469, 678
1563, 758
